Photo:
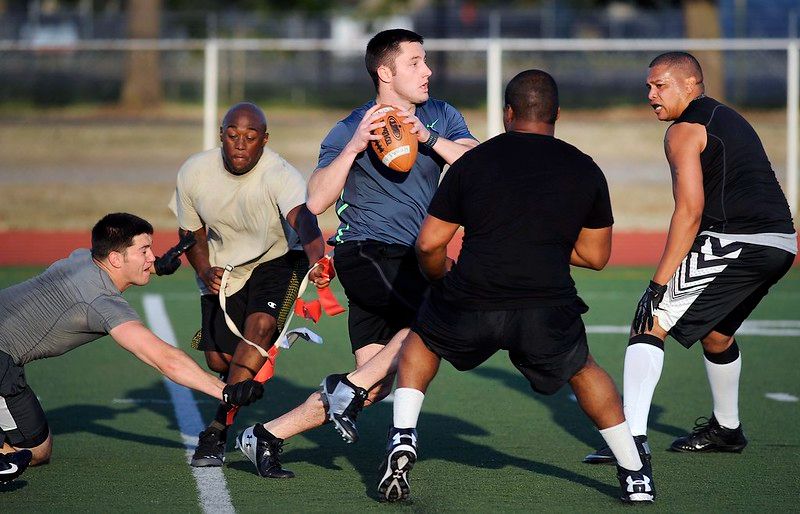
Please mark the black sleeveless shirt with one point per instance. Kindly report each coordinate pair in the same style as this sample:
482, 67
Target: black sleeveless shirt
742, 195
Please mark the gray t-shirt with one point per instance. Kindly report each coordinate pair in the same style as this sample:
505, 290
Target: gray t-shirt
72, 303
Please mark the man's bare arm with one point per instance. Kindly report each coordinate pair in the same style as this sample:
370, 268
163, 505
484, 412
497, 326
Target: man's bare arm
592, 248
683, 144
431, 247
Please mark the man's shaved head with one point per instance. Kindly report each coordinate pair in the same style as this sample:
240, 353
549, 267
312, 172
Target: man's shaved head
683, 62
243, 135
257, 118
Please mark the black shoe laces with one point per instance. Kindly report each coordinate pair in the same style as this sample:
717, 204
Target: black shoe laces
702, 424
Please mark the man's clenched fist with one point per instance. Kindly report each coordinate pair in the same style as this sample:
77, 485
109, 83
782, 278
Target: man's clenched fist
242, 393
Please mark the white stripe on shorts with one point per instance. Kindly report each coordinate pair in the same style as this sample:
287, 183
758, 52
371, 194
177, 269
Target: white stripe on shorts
6, 421
690, 279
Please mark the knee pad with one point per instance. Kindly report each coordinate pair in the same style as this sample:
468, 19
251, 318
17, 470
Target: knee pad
726, 357
646, 339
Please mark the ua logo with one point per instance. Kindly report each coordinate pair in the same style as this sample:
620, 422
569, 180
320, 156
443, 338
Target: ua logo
271, 305
640, 486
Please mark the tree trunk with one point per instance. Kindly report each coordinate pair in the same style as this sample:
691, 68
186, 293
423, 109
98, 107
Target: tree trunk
142, 86
701, 18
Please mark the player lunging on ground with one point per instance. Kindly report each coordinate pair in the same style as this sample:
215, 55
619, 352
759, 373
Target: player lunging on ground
78, 300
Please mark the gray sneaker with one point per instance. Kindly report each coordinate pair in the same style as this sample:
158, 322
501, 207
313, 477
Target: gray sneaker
264, 454
343, 401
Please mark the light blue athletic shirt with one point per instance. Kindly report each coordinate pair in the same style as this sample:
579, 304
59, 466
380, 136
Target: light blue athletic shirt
378, 203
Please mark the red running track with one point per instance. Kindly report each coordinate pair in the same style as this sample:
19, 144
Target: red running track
43, 248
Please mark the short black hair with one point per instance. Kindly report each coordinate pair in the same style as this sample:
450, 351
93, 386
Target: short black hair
383, 48
683, 60
533, 96
115, 232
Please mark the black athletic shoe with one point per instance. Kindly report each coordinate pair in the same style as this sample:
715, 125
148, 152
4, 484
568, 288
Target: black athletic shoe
400, 457
636, 486
210, 451
605, 456
343, 401
709, 436
12, 465
263, 453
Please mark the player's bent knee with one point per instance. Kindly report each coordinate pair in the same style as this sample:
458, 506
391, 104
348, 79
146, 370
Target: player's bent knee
217, 363
260, 328
720, 352
647, 339
41, 448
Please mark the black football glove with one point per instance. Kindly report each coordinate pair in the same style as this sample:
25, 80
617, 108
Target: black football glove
242, 393
643, 319
169, 263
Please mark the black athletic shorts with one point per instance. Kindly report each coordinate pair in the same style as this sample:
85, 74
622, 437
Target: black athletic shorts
547, 344
22, 420
272, 288
384, 289
716, 287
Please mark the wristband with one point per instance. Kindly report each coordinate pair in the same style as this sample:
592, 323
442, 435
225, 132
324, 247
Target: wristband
431, 139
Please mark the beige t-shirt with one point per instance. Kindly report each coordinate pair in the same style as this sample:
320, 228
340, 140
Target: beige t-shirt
244, 215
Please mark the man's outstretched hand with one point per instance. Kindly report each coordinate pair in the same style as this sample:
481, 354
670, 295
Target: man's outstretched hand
169, 263
242, 393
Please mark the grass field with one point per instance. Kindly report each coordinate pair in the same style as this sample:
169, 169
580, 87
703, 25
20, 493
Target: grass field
487, 443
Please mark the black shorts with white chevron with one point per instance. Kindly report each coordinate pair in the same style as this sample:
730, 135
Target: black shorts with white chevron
717, 286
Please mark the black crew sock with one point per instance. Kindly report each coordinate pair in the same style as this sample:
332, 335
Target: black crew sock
263, 433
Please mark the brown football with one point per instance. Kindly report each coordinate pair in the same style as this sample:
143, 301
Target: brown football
397, 147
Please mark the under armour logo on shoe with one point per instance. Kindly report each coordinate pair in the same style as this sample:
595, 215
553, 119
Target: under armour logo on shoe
410, 438
272, 305
639, 486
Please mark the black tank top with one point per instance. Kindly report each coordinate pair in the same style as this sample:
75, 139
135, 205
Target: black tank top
742, 195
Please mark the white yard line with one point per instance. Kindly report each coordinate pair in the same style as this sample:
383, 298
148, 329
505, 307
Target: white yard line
214, 496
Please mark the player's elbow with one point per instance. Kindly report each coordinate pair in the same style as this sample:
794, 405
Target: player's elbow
315, 207
426, 246
598, 263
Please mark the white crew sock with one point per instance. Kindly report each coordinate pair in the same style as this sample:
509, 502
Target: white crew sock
407, 404
724, 382
620, 440
643, 365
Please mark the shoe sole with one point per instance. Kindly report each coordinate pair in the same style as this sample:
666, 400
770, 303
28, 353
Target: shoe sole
394, 484
207, 462
715, 449
638, 498
598, 459
348, 436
